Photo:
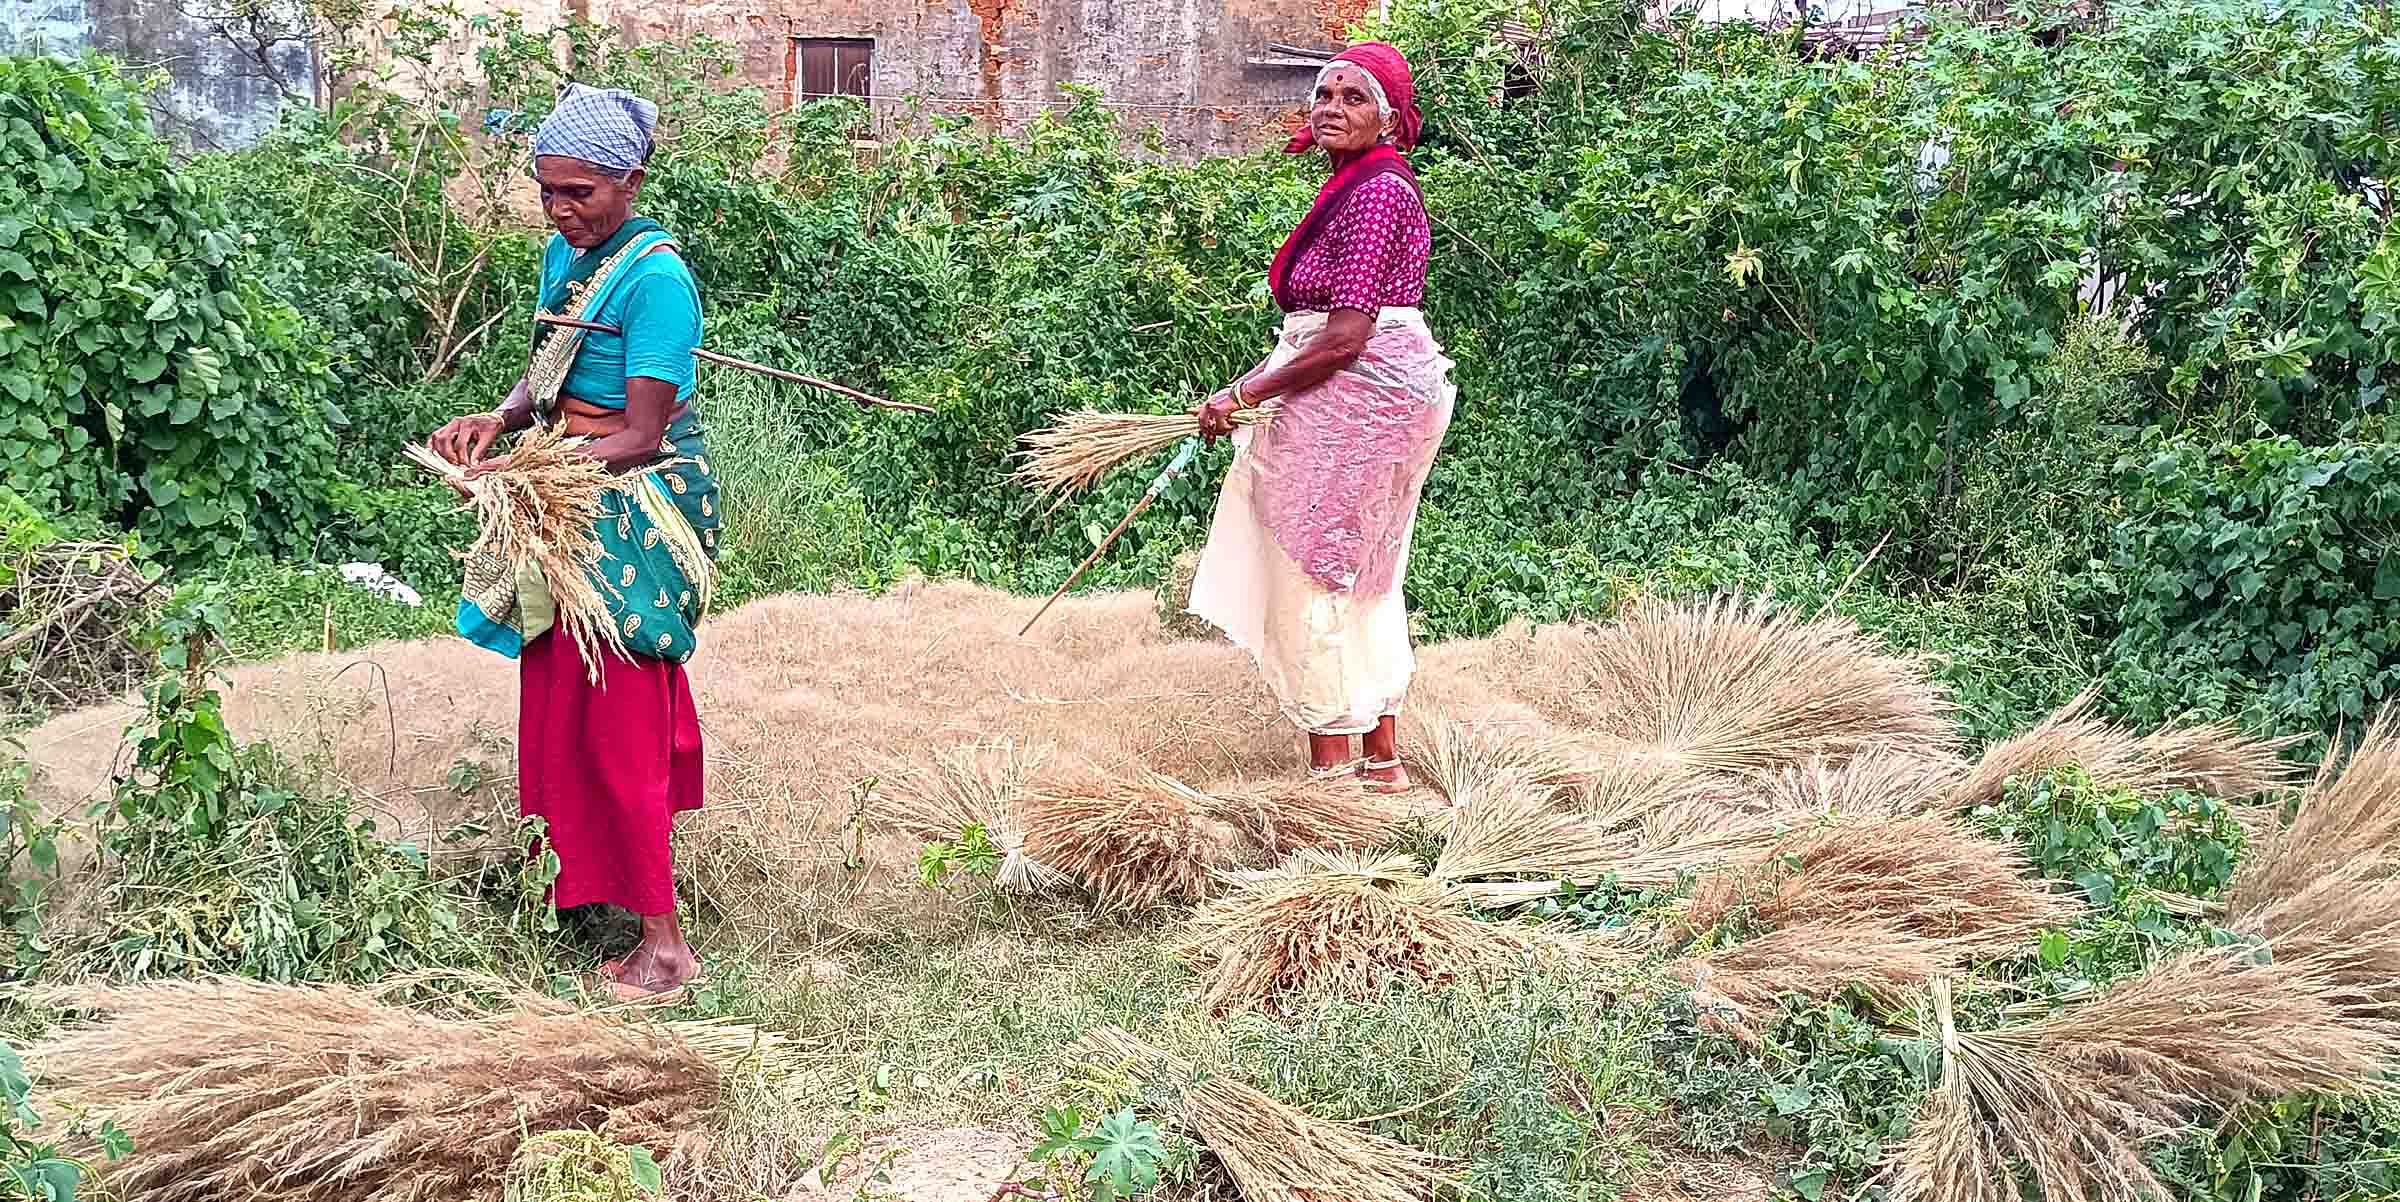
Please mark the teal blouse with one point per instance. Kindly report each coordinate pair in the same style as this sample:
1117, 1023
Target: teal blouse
658, 307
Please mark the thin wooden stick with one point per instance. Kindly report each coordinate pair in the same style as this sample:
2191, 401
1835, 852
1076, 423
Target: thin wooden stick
1182, 460
708, 356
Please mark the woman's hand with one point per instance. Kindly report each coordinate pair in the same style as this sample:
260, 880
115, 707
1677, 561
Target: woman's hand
1216, 416
466, 440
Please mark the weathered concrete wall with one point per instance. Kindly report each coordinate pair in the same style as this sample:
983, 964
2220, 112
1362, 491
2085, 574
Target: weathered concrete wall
228, 75
1181, 65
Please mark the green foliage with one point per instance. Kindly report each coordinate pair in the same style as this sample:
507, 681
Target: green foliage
147, 375
35, 1169
971, 853
28, 861
231, 859
1117, 1157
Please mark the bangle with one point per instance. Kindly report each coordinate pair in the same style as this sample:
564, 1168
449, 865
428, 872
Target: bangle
1238, 401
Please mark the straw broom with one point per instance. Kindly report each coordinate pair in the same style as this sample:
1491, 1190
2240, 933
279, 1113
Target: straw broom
2215, 759
237, 1089
982, 785
1071, 456
1275, 1152
537, 512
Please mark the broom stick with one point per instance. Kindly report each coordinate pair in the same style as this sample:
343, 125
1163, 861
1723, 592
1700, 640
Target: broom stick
709, 356
1182, 460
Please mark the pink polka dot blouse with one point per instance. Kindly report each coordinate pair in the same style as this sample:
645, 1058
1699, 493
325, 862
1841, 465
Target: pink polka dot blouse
1371, 256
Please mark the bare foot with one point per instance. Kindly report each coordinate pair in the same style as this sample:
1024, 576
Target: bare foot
1390, 779
661, 964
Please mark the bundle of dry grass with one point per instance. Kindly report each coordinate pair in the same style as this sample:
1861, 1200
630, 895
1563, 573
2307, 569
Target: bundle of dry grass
537, 513
1929, 877
315, 1094
2076, 1098
1331, 925
1515, 831
1281, 817
1467, 762
1275, 1152
2215, 759
1733, 688
1881, 783
2349, 815
1071, 456
980, 785
1817, 959
1134, 842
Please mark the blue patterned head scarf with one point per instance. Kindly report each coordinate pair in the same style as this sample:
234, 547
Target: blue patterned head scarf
608, 128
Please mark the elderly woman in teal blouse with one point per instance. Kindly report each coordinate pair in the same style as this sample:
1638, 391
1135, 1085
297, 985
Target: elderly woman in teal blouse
609, 752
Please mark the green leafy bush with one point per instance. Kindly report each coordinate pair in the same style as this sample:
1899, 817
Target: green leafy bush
146, 374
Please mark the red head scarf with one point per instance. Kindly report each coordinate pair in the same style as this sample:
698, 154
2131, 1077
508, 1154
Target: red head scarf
1390, 69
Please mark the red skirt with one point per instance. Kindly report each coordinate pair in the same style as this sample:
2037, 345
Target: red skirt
608, 768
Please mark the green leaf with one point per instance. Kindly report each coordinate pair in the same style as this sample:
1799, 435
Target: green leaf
1790, 1099
645, 1171
2054, 949
2098, 886
1127, 1157
1810, 1185
146, 367
162, 306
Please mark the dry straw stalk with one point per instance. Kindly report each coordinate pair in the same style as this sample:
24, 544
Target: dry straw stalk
2322, 891
1071, 456
2215, 759
537, 512
1334, 925
1275, 1152
1727, 687
983, 785
1135, 843
2077, 1098
233, 1089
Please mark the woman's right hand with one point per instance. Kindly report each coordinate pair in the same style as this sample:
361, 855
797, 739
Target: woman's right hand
466, 440
1216, 416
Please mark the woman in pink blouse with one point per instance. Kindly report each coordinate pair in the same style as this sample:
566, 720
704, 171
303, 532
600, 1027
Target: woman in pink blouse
1310, 544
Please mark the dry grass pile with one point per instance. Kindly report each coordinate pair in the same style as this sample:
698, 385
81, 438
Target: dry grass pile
536, 513
1507, 834
1275, 1152
1929, 877
243, 1090
2215, 759
2079, 1097
1330, 925
1135, 843
1062, 460
1881, 783
1734, 688
981, 785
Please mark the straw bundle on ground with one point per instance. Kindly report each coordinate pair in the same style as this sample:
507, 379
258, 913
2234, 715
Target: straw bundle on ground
2350, 814
1734, 688
536, 514
1332, 925
1135, 843
1929, 877
980, 785
1465, 762
1275, 1152
1514, 831
1281, 817
324, 1094
1074, 454
1818, 959
1881, 783
2078, 1097
2215, 759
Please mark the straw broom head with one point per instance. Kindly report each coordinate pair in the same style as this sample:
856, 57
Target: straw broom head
1818, 960
1073, 455
1282, 817
1731, 687
1275, 1152
537, 512
324, 1094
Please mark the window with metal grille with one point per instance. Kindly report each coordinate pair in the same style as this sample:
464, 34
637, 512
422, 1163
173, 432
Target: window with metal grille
833, 67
